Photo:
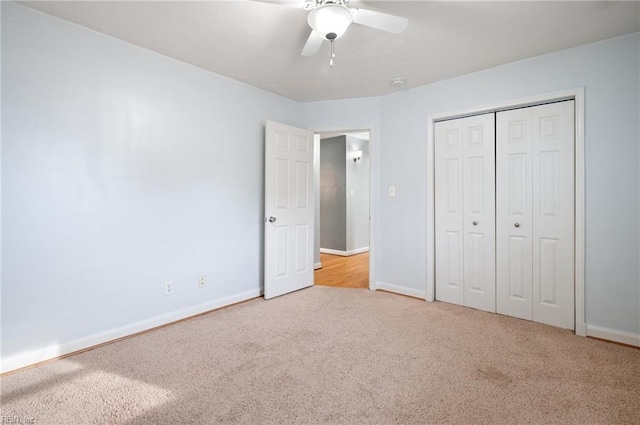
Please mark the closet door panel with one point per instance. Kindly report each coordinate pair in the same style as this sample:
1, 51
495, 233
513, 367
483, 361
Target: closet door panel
479, 212
514, 210
553, 211
449, 211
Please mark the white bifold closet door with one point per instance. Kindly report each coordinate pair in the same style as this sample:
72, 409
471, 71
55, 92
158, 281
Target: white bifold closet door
465, 211
535, 213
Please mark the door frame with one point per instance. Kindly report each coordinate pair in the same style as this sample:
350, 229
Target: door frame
577, 94
370, 129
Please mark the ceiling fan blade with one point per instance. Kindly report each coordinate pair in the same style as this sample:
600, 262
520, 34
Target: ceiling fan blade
296, 4
381, 21
313, 44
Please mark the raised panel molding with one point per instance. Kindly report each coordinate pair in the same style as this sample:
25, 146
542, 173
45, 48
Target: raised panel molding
301, 184
518, 184
476, 168
452, 139
453, 185
516, 271
453, 254
517, 131
281, 235
477, 275
475, 136
548, 275
282, 183
548, 127
282, 141
549, 183
301, 247
302, 144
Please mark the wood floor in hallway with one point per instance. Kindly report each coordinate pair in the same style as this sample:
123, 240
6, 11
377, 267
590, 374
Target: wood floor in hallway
345, 272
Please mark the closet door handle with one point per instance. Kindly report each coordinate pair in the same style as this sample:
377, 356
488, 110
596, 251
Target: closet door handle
475, 223
517, 225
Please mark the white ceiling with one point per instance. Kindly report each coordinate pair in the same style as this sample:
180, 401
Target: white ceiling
260, 43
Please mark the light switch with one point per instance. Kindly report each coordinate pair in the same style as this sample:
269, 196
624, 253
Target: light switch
353, 192
392, 191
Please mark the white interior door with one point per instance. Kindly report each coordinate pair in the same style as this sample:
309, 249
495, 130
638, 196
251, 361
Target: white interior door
479, 212
465, 211
554, 214
535, 213
289, 212
449, 211
514, 209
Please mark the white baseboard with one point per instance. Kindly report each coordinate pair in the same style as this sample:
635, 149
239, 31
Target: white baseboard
402, 290
51, 352
581, 329
317, 266
344, 253
614, 335
429, 296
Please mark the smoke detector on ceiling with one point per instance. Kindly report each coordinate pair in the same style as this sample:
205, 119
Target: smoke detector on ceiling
397, 82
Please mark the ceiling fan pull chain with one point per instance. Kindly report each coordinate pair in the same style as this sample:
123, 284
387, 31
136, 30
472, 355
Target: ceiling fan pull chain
333, 54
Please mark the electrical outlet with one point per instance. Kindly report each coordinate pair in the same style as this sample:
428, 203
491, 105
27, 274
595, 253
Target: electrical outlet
202, 281
168, 288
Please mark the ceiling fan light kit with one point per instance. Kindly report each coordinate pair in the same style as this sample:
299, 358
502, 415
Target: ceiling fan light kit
330, 20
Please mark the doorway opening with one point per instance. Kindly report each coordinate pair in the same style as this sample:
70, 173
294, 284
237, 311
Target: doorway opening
342, 190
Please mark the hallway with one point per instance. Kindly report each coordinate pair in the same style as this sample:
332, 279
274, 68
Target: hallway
344, 272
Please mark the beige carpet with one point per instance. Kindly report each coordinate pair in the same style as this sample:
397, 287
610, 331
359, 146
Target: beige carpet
334, 355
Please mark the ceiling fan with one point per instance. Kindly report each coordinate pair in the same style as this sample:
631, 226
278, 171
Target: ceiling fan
329, 19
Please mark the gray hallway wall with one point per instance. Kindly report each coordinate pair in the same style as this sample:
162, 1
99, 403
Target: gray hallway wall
333, 199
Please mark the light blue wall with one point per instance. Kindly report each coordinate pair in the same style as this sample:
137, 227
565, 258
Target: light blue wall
610, 72
121, 169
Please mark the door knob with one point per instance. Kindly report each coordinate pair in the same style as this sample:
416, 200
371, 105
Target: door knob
272, 219
475, 223
517, 224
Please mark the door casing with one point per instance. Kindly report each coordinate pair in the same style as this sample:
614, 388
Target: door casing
370, 129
